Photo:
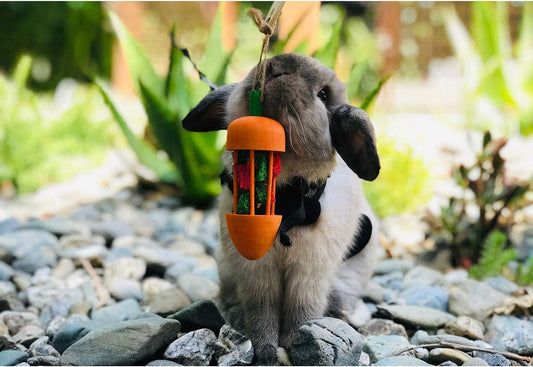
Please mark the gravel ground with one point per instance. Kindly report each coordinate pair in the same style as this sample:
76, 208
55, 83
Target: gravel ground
130, 281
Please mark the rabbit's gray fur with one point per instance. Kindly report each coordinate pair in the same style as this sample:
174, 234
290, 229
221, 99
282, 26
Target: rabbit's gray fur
291, 285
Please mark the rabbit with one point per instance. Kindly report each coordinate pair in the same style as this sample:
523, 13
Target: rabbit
318, 266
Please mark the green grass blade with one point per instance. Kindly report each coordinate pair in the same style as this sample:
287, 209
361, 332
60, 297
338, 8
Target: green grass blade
176, 91
22, 70
139, 64
214, 50
162, 167
353, 85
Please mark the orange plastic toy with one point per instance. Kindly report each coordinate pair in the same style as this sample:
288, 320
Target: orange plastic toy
253, 234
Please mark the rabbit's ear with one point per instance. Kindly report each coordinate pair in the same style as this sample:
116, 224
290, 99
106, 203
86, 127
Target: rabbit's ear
209, 114
353, 137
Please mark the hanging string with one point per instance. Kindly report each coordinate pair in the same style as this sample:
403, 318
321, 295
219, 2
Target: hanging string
265, 26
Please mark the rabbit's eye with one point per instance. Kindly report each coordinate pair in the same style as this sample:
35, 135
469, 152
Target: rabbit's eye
323, 95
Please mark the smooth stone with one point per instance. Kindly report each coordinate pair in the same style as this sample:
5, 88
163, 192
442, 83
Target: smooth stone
200, 315
426, 296
167, 302
421, 276
421, 353
501, 284
21, 241
448, 363
4, 331
43, 361
233, 348
456, 276
195, 348
163, 362
134, 242
152, 286
424, 317
6, 271
86, 247
8, 225
71, 332
184, 246
364, 359
41, 347
466, 326
128, 268
34, 258
422, 337
474, 299
382, 327
185, 265
401, 361
383, 346
157, 255
28, 334
391, 280
493, 359
85, 212
122, 343
197, 288
7, 288
12, 357
511, 334
16, 320
326, 341
82, 308
475, 362
120, 311
121, 288
63, 268
392, 265
111, 229
440, 355
6, 343
211, 274
116, 253
58, 226
22, 280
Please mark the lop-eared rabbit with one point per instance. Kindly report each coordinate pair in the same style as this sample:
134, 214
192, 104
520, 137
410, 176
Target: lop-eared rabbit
326, 247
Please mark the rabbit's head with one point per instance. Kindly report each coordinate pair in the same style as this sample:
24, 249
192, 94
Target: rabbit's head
308, 100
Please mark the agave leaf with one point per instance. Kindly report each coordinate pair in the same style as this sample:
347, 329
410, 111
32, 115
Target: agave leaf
163, 123
162, 167
327, 55
221, 77
138, 62
214, 50
176, 91
369, 99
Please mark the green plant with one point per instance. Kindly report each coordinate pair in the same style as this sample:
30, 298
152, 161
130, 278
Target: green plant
45, 139
488, 203
404, 182
190, 160
497, 77
494, 256
66, 40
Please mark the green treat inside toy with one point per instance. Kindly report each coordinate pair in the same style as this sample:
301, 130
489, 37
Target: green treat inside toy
261, 176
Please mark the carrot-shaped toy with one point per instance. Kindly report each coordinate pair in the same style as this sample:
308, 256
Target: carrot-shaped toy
256, 142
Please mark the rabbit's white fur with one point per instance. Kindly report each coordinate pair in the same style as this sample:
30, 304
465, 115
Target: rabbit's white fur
270, 298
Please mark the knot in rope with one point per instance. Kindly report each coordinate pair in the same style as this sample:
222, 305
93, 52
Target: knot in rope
260, 22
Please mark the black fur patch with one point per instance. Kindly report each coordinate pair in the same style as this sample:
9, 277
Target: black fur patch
361, 238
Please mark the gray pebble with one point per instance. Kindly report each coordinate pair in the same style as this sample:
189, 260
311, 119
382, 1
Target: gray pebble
392, 265
197, 287
475, 362
501, 284
383, 346
426, 296
233, 348
382, 327
122, 288
195, 348
424, 317
474, 299
466, 326
401, 361
326, 341
440, 355
511, 334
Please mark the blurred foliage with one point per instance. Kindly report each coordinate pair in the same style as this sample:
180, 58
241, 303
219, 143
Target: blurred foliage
404, 183
66, 39
47, 138
497, 76
488, 204
496, 260
189, 161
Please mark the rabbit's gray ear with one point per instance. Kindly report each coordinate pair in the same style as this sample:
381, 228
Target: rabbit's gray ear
209, 114
353, 137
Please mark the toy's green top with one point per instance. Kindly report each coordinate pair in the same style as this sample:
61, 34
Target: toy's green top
256, 108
